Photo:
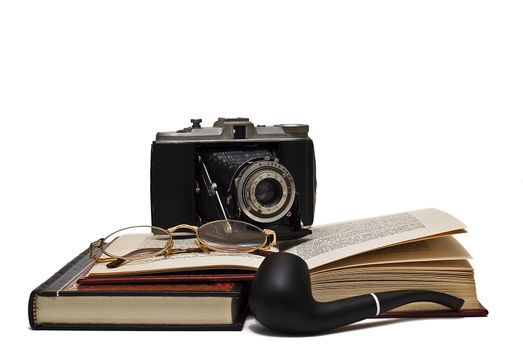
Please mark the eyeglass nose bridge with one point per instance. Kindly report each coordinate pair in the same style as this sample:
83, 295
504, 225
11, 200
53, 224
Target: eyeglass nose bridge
183, 226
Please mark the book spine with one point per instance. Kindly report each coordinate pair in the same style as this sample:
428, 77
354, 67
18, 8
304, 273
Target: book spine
52, 284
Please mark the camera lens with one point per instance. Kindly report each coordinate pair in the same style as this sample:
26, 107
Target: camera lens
268, 192
265, 190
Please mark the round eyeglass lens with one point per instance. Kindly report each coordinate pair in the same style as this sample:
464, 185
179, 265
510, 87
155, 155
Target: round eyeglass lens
137, 242
231, 236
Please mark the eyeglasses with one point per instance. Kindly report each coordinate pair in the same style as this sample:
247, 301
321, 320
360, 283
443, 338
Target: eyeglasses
145, 242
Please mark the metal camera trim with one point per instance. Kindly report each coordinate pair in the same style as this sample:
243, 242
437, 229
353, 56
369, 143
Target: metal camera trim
251, 176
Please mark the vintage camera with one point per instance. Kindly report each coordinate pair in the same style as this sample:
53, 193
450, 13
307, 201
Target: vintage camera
265, 175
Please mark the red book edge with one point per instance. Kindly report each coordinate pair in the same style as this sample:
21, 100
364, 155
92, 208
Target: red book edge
479, 312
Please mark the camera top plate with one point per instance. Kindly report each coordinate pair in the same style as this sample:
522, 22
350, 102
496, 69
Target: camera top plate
235, 130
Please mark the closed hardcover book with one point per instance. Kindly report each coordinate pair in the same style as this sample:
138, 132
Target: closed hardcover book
62, 303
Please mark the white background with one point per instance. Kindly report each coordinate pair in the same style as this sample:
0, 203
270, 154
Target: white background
411, 104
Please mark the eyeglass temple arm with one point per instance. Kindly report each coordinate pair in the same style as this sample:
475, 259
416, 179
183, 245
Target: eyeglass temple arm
92, 246
270, 233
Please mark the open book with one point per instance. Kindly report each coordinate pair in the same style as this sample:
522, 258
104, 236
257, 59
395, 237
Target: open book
412, 250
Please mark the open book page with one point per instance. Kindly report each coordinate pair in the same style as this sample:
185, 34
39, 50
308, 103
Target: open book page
327, 244
175, 262
395, 274
436, 249
330, 243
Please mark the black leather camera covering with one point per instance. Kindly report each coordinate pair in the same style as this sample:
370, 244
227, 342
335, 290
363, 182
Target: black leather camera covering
174, 174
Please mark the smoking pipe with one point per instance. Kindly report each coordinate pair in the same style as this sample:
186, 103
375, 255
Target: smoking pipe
281, 299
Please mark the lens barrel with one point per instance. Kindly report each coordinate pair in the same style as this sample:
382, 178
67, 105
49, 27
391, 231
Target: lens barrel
265, 190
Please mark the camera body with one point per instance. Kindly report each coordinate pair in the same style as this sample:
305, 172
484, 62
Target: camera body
265, 175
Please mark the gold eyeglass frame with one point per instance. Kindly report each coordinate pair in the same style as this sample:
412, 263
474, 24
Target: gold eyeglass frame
169, 249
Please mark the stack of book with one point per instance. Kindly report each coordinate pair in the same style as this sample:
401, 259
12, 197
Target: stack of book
199, 291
